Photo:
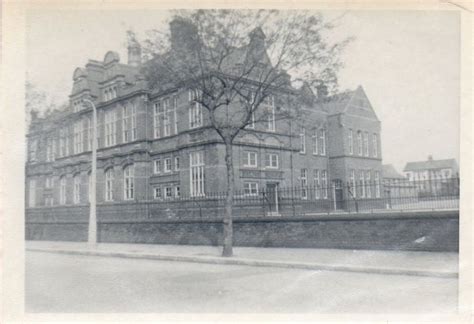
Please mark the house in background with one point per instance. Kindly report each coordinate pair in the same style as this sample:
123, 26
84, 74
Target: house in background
433, 176
395, 184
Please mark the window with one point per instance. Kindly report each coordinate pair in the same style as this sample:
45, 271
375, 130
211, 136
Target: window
157, 193
78, 137
375, 145
271, 114
271, 161
48, 201
304, 183
317, 184
314, 138
77, 105
303, 141
377, 184
165, 120
250, 159
167, 117
109, 184
157, 166
175, 114
63, 142
322, 141
359, 143
366, 144
129, 123
351, 142
50, 149
352, 183
250, 188
177, 191
251, 124
32, 193
129, 182
157, 118
176, 163
196, 173
195, 110
33, 150
77, 189
168, 192
48, 183
110, 93
168, 165
110, 119
324, 180
361, 184
367, 185
62, 190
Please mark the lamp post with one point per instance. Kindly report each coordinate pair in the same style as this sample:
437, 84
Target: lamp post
92, 234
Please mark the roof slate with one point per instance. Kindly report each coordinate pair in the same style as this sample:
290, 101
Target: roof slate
389, 172
430, 165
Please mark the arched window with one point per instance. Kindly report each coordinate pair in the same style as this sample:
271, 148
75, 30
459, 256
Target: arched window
62, 190
109, 184
77, 189
129, 182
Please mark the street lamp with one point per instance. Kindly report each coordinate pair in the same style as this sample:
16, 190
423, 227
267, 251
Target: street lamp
92, 234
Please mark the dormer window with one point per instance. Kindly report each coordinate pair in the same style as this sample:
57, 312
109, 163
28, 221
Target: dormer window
77, 105
110, 93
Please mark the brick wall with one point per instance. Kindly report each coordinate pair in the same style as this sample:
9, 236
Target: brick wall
418, 231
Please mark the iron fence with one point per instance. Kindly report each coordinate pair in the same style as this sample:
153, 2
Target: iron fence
354, 196
350, 197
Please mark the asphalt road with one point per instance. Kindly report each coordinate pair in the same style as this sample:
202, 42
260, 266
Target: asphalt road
72, 283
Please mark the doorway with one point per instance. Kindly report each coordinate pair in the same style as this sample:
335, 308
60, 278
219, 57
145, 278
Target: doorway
271, 192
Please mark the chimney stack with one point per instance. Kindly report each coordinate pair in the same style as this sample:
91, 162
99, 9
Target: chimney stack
321, 91
430, 157
184, 34
134, 53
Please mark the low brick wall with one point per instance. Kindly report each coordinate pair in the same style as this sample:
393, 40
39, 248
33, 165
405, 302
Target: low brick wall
416, 231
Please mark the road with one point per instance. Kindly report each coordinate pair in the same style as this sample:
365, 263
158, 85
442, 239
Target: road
72, 283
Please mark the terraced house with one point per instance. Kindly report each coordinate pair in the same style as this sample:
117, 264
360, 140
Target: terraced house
156, 146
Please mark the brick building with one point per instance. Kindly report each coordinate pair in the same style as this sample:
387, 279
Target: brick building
433, 176
155, 145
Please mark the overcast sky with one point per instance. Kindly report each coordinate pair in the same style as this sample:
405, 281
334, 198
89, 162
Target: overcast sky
406, 61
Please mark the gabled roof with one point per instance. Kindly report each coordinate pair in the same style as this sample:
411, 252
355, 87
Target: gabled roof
431, 164
337, 103
96, 73
354, 102
389, 172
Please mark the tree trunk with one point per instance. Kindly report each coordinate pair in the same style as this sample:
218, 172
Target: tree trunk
228, 233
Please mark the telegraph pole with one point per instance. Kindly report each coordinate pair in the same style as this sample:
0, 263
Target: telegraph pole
92, 233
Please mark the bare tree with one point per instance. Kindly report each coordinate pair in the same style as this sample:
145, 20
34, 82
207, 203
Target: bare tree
238, 61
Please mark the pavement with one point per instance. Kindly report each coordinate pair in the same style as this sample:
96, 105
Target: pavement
411, 263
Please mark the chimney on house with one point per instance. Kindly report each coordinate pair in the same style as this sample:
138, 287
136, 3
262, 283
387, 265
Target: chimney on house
135, 55
257, 43
321, 91
430, 157
134, 51
184, 33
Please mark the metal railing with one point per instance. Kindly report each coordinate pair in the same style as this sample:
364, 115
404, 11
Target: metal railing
350, 197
